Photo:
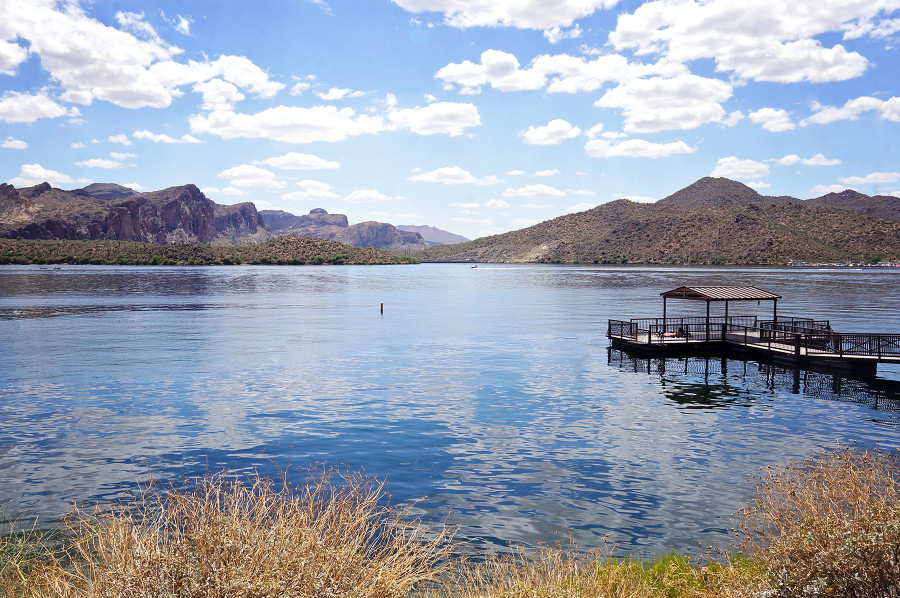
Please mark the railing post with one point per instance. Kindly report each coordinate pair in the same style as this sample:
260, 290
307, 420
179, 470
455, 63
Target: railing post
797, 345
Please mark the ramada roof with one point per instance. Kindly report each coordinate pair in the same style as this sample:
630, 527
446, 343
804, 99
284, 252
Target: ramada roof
720, 294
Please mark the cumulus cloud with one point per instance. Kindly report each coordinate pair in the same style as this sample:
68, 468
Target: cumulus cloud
553, 133
247, 175
523, 14
449, 118
499, 204
35, 174
775, 43
163, 138
535, 191
121, 139
735, 168
296, 161
560, 73
547, 172
218, 94
557, 34
19, 107
658, 104
825, 189
291, 124
635, 148
130, 67
772, 119
99, 163
336, 93
453, 175
817, 160
12, 143
11, 56
853, 109
311, 190
369, 196
874, 177
581, 207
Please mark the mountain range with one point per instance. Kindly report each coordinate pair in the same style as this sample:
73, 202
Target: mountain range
183, 214
712, 221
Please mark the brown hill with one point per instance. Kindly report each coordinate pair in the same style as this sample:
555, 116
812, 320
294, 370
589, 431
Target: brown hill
335, 227
689, 227
879, 206
112, 212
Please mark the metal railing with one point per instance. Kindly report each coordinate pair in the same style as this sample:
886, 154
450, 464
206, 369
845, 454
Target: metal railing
799, 336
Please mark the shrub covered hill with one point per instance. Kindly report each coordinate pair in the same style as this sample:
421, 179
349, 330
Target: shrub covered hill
713, 221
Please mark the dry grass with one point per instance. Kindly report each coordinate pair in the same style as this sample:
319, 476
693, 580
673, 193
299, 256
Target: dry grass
828, 525
230, 537
558, 572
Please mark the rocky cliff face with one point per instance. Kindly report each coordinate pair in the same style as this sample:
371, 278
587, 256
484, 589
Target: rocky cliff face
335, 227
175, 215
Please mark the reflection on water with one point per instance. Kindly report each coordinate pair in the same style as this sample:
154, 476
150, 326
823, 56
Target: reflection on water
704, 382
489, 393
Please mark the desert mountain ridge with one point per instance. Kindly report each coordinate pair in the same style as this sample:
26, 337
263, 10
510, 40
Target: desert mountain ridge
712, 221
181, 214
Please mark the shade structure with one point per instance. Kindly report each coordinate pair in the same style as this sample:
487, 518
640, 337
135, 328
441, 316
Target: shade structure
726, 294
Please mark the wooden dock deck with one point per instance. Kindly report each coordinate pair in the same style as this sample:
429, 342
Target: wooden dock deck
794, 340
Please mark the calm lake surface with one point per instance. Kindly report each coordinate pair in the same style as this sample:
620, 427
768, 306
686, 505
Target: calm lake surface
488, 392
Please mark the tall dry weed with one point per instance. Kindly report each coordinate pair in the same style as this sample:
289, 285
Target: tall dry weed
828, 525
232, 537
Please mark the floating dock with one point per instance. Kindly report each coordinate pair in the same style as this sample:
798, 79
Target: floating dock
786, 339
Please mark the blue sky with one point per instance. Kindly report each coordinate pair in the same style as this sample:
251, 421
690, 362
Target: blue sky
475, 116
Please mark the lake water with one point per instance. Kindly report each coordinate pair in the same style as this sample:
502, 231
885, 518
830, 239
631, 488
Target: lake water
490, 393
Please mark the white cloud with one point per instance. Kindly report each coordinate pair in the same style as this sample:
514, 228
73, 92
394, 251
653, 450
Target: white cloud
290, 124
733, 118
121, 155
312, 190
561, 73
122, 139
442, 117
581, 192
735, 168
534, 191
76, 145
99, 163
853, 109
772, 119
247, 175
817, 160
336, 93
874, 177
35, 174
547, 172
299, 87
515, 173
758, 184
16, 107
453, 175
497, 204
555, 35
296, 161
539, 206
825, 189
658, 104
12, 143
580, 207
184, 25
467, 206
218, 94
230, 191
770, 42
11, 56
523, 14
594, 131
163, 138
368, 196
130, 67
553, 133
635, 148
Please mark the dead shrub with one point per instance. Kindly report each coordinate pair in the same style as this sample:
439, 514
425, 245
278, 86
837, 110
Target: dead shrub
231, 537
827, 525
